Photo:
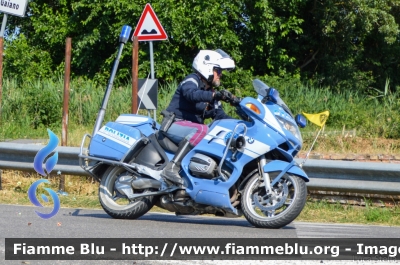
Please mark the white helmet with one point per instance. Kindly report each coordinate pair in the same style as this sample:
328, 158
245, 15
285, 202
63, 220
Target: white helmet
206, 60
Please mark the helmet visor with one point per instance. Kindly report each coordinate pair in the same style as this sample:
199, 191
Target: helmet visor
226, 62
222, 53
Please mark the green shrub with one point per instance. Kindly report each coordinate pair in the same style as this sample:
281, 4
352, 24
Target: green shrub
34, 63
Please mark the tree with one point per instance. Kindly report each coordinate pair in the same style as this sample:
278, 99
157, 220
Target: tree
339, 44
350, 44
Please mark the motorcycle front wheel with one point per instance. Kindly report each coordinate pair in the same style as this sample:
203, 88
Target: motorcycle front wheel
118, 205
277, 208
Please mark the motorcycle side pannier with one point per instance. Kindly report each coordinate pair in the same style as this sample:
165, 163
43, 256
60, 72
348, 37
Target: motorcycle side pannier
113, 141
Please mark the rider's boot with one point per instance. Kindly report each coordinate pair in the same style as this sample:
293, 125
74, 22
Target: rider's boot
171, 170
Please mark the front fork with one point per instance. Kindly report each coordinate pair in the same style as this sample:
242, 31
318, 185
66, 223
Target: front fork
265, 175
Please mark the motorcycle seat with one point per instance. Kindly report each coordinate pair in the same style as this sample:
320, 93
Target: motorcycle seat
166, 143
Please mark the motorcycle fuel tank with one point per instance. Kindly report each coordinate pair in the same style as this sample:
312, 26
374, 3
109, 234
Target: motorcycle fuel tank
113, 141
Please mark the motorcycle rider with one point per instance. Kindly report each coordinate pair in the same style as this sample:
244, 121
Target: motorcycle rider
194, 101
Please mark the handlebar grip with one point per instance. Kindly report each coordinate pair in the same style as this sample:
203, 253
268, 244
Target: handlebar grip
236, 101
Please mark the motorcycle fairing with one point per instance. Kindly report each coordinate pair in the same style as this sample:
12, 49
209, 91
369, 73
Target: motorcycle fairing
256, 143
265, 114
268, 111
215, 192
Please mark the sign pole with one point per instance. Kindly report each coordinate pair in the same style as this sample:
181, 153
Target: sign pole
17, 8
3, 28
152, 68
3, 25
149, 29
135, 69
151, 60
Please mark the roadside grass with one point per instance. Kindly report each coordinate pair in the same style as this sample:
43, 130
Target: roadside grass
82, 193
28, 108
324, 212
340, 144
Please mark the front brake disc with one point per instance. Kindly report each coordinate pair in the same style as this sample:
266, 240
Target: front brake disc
259, 200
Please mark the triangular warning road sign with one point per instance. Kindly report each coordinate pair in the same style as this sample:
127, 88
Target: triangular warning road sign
149, 27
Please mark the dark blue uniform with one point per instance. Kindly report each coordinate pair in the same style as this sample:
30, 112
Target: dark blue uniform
193, 103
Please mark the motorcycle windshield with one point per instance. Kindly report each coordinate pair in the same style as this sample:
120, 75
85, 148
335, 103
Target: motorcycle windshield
262, 89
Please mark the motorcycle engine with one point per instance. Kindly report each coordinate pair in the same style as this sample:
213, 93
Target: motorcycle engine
203, 166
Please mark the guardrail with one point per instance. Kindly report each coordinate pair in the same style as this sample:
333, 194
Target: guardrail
15, 156
328, 175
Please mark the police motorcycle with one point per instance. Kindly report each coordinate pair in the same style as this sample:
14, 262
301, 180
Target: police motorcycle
241, 167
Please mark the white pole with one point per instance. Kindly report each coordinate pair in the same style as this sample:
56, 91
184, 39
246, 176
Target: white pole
152, 69
309, 151
3, 25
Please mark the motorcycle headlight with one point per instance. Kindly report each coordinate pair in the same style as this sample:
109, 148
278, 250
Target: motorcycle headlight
290, 127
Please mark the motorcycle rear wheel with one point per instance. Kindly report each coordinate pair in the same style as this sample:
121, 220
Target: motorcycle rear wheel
116, 204
276, 209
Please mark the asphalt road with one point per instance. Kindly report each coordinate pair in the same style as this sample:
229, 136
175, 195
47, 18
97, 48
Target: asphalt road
22, 222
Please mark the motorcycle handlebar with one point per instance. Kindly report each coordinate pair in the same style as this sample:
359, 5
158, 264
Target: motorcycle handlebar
235, 101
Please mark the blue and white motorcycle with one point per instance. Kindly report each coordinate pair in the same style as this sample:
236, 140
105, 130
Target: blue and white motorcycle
241, 166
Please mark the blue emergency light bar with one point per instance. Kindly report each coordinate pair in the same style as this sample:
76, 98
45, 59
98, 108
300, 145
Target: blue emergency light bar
126, 31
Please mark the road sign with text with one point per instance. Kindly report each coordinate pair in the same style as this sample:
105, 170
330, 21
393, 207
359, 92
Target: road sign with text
14, 7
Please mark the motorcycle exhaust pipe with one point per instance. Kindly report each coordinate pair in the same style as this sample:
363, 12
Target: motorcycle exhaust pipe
144, 183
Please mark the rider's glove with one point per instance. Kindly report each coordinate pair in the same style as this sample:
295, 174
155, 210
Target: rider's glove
235, 101
223, 95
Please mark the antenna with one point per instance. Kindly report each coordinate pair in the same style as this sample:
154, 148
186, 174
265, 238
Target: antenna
309, 151
123, 38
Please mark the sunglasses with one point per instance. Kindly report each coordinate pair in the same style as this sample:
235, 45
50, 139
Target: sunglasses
218, 71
